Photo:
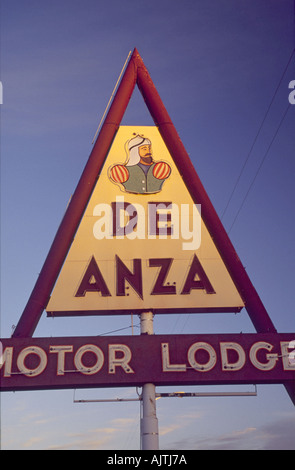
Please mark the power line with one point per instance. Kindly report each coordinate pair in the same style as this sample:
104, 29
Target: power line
108, 105
260, 166
119, 329
257, 134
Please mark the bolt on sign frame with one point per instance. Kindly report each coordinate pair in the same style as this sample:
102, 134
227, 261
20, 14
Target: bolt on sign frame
137, 74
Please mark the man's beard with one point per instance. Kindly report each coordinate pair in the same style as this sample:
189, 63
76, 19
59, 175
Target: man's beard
147, 160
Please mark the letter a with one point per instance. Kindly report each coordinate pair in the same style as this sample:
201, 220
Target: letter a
92, 281
192, 283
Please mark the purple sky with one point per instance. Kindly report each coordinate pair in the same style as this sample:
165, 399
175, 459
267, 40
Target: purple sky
217, 66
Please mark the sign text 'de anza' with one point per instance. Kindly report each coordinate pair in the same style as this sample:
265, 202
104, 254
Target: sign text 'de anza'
142, 243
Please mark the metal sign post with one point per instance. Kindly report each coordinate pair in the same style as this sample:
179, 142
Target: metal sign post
149, 429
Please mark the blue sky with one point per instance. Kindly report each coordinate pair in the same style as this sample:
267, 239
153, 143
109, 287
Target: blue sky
216, 66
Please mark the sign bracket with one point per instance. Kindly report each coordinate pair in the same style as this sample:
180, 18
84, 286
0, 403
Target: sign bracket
174, 395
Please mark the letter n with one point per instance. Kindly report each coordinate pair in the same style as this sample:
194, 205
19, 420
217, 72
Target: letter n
134, 278
92, 281
201, 283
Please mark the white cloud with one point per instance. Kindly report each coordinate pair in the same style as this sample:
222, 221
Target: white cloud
31, 442
277, 435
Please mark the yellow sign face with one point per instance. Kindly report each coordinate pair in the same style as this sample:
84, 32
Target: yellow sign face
142, 244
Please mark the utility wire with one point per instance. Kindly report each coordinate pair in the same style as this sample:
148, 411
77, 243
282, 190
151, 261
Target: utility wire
248, 156
108, 105
119, 329
260, 166
257, 134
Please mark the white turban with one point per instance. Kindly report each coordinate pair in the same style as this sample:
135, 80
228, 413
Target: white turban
133, 145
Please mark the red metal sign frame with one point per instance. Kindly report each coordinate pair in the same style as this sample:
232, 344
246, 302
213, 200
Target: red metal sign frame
137, 74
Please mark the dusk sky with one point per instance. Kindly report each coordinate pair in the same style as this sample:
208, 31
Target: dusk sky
222, 69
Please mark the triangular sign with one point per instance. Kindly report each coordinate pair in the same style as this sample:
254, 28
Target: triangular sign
192, 280
141, 244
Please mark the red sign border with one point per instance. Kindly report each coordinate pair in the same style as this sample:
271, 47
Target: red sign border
137, 74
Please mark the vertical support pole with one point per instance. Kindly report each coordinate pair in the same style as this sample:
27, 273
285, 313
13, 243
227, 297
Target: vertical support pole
149, 430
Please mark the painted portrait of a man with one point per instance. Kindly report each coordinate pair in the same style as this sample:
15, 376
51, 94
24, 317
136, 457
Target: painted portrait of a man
140, 174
